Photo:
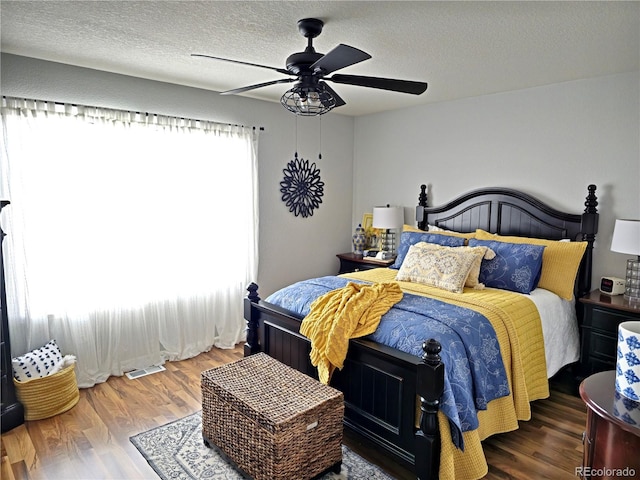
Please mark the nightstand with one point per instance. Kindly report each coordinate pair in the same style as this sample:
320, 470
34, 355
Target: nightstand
350, 262
611, 440
602, 315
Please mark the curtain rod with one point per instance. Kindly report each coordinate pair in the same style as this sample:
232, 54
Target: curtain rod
136, 112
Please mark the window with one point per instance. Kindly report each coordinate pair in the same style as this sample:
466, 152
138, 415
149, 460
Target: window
131, 238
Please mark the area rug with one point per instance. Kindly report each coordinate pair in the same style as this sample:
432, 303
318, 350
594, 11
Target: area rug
176, 451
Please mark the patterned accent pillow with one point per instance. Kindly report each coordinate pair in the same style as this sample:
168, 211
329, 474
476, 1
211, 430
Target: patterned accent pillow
515, 267
560, 262
37, 363
473, 280
411, 238
439, 231
439, 266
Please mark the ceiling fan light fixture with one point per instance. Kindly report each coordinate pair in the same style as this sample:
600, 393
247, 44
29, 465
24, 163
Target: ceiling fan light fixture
308, 101
311, 96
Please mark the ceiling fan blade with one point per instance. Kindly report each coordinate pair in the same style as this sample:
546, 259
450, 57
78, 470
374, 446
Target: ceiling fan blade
259, 85
339, 101
340, 57
281, 70
404, 86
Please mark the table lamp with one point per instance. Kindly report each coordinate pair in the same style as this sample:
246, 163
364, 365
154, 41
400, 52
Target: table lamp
388, 219
626, 239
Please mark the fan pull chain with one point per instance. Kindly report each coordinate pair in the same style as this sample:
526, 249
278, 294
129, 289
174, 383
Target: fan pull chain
320, 147
296, 128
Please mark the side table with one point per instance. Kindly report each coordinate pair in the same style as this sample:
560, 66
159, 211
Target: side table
612, 438
602, 315
350, 262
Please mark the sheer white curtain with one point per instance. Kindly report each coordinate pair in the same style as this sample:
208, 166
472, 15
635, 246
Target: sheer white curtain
130, 238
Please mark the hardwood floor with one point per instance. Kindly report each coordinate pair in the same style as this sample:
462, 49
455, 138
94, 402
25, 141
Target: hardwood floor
91, 441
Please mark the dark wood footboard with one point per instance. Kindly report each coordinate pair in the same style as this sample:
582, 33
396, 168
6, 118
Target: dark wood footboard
383, 387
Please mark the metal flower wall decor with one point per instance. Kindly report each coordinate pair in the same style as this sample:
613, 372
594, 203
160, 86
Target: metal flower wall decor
301, 187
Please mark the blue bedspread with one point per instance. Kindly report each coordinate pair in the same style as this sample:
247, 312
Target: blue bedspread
474, 371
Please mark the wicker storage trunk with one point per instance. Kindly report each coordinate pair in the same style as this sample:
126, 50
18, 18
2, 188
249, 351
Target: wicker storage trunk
272, 421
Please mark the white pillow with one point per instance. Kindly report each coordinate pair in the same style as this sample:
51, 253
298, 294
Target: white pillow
37, 363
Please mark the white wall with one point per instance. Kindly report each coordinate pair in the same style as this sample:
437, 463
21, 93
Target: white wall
549, 141
291, 248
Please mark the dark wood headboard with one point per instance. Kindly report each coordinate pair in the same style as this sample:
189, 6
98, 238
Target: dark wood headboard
510, 212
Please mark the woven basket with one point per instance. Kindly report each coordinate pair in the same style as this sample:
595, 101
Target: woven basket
48, 396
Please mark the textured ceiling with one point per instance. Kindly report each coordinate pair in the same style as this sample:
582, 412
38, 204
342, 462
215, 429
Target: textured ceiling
461, 49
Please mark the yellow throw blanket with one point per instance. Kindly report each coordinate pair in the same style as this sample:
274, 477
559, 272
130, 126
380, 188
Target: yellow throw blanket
349, 312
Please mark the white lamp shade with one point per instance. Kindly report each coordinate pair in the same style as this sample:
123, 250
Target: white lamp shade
626, 237
388, 217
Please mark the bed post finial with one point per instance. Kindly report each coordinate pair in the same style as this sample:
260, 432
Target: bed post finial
588, 228
252, 345
253, 292
422, 198
429, 385
422, 203
592, 201
431, 349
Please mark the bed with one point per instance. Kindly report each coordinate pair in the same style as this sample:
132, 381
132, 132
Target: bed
398, 399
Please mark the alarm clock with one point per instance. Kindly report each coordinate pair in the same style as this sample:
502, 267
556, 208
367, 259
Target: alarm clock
612, 285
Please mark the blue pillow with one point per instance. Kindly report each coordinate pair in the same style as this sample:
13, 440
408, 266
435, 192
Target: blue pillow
411, 238
516, 266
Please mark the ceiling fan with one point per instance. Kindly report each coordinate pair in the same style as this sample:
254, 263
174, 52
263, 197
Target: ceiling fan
311, 95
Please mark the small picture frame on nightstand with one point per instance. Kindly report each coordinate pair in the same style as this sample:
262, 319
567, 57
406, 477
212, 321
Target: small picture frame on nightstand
371, 234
